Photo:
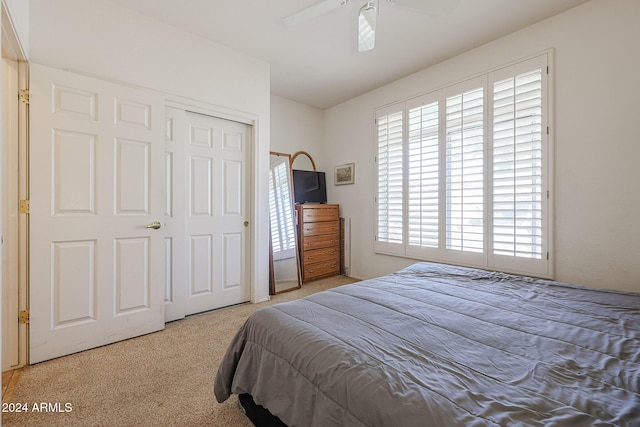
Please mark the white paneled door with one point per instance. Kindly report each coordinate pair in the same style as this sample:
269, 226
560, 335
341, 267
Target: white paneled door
97, 192
208, 159
175, 210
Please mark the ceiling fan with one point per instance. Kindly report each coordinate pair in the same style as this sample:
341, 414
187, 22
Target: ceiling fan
368, 14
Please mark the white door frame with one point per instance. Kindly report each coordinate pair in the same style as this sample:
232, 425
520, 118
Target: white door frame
15, 298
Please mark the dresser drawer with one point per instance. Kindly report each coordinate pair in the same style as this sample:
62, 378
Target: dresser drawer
322, 241
318, 255
321, 269
320, 213
318, 228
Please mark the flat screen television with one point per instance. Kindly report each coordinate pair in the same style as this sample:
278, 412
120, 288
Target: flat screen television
309, 186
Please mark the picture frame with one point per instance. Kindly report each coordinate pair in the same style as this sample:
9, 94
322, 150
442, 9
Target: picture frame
345, 174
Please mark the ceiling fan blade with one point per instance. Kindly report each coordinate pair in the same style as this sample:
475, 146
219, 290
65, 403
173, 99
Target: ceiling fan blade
433, 7
313, 11
367, 27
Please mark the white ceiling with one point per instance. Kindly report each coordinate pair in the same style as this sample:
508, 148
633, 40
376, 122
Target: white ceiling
317, 62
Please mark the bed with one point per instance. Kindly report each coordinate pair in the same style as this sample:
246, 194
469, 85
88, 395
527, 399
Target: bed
438, 345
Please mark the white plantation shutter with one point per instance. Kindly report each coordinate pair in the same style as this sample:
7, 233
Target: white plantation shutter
281, 210
423, 176
517, 166
273, 217
520, 168
390, 200
465, 171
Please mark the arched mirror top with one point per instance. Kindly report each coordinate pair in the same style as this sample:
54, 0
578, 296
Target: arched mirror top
302, 161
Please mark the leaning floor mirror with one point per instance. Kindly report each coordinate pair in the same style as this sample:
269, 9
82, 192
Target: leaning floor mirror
284, 257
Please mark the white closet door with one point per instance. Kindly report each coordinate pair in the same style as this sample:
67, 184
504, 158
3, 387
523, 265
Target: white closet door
175, 238
96, 183
217, 212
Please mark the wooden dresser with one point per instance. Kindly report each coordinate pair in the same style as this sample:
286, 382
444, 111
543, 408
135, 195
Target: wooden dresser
319, 231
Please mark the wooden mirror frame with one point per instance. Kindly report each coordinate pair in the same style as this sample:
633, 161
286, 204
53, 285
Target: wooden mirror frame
303, 153
272, 278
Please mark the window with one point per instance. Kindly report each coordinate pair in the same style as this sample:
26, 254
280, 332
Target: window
464, 153
423, 164
463, 173
517, 165
390, 179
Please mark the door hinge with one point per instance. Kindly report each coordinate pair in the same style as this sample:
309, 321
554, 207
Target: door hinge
24, 207
24, 317
24, 96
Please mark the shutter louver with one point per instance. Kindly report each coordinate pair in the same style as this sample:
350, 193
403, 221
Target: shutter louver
276, 243
517, 166
423, 182
390, 178
465, 171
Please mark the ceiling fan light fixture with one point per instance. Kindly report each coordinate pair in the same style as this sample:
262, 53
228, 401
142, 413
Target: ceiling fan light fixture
369, 14
367, 27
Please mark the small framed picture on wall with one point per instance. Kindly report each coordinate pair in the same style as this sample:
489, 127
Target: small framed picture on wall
345, 174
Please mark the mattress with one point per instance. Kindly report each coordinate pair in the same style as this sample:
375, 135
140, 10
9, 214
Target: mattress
438, 345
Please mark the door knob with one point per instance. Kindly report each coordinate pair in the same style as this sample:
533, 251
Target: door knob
155, 225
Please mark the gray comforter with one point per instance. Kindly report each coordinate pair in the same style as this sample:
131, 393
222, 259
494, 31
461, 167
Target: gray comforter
436, 345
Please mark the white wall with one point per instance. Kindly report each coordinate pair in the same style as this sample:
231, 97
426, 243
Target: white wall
297, 127
18, 16
597, 178
103, 39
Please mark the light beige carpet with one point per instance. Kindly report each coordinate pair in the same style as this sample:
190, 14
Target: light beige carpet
160, 379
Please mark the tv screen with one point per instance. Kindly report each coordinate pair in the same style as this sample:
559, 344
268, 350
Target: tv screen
309, 187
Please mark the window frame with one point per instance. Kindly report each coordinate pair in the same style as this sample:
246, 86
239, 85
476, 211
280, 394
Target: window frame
543, 267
